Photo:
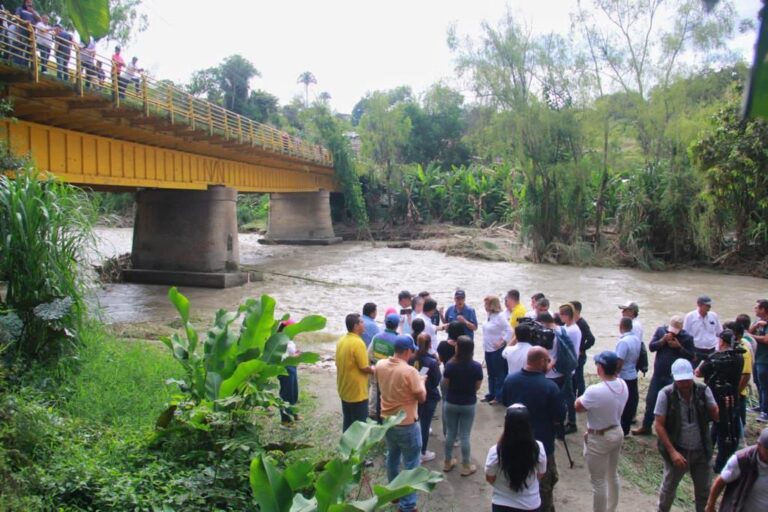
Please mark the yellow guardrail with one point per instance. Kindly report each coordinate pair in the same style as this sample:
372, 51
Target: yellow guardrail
49, 56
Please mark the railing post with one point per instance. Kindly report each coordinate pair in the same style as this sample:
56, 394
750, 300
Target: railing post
170, 102
240, 129
79, 69
115, 85
144, 94
33, 44
210, 119
250, 132
191, 113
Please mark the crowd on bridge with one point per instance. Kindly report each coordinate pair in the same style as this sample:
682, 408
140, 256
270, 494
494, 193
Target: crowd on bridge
534, 366
52, 38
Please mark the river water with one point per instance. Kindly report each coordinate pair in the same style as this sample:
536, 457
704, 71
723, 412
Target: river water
355, 273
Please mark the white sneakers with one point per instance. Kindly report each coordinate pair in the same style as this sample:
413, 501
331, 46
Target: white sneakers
427, 456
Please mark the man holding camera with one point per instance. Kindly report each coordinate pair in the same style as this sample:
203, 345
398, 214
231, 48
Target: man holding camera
670, 342
722, 373
683, 412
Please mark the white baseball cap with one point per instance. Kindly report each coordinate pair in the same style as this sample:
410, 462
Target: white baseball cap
682, 370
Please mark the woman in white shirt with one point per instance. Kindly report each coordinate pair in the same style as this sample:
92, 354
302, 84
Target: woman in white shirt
496, 334
516, 464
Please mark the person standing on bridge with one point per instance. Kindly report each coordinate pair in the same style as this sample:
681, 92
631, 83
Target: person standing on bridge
44, 33
27, 13
117, 71
63, 51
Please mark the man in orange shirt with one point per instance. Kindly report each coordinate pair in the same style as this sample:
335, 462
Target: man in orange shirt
402, 389
352, 371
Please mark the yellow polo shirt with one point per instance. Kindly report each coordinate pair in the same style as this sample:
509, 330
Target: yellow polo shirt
516, 314
351, 359
747, 368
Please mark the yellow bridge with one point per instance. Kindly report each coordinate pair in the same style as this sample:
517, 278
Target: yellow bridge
94, 122
83, 118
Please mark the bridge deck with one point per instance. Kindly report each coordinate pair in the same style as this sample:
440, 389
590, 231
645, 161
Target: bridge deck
71, 95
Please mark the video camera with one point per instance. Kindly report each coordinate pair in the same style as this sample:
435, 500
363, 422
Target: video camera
540, 336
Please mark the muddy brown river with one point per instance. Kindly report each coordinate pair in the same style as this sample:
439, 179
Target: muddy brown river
351, 274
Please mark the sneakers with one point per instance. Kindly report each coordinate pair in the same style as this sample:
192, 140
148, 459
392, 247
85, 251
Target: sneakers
763, 418
427, 456
448, 465
754, 409
468, 469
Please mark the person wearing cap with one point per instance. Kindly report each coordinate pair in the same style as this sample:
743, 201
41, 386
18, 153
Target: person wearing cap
516, 463
722, 372
547, 409
461, 312
759, 332
628, 352
744, 479
402, 389
496, 334
683, 411
670, 342
604, 403
353, 369
704, 325
632, 310
382, 346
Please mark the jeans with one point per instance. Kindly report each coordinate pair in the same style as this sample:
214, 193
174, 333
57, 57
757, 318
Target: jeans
62, 62
289, 392
579, 386
657, 382
502, 508
547, 484
601, 454
404, 443
458, 422
497, 372
762, 379
426, 412
45, 54
698, 465
352, 412
630, 409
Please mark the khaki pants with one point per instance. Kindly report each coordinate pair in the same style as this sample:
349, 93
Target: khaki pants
547, 484
698, 465
601, 453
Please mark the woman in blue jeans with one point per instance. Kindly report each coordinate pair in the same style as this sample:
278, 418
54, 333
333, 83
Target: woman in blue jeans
424, 362
463, 377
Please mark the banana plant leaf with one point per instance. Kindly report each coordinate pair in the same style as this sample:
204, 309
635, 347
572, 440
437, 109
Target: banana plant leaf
90, 17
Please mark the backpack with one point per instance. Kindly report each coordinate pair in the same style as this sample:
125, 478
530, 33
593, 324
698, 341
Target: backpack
567, 361
642, 359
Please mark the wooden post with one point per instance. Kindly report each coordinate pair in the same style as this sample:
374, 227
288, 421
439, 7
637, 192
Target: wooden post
226, 124
144, 95
191, 113
33, 44
79, 70
170, 102
210, 119
240, 129
115, 85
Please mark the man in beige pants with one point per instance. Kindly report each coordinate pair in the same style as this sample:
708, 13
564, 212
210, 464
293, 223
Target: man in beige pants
604, 403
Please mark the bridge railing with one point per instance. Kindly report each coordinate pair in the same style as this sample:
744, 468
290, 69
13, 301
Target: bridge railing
51, 57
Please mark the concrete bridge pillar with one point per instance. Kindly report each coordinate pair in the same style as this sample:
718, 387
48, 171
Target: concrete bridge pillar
301, 218
186, 237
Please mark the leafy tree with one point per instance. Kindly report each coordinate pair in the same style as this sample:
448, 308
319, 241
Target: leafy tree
227, 84
262, 107
307, 79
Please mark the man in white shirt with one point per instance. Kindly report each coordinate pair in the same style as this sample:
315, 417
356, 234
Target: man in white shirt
405, 303
535, 298
567, 316
704, 325
604, 403
744, 478
44, 34
428, 310
517, 354
632, 310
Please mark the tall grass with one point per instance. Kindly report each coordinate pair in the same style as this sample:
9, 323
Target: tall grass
45, 226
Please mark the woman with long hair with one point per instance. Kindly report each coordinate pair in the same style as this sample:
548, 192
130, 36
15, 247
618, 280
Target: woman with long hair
497, 332
515, 464
463, 377
425, 362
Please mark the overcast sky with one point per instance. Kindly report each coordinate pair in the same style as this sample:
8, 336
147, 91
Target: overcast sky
351, 46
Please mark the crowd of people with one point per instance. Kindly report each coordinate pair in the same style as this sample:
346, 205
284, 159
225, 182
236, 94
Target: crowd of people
17, 28
534, 366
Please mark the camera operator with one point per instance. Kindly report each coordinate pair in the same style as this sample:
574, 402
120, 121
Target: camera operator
722, 373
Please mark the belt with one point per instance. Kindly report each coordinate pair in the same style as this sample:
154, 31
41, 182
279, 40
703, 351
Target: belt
600, 431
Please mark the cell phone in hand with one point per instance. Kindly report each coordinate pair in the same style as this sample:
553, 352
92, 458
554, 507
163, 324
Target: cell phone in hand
406, 311
424, 370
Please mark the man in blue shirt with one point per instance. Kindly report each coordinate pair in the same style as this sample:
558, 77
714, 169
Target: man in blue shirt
369, 319
546, 407
460, 312
628, 352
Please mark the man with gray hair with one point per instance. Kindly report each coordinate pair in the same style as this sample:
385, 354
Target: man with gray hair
670, 342
704, 325
744, 478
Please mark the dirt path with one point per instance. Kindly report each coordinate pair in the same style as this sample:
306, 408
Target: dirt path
457, 493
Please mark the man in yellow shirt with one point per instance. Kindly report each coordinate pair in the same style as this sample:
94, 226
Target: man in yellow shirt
353, 369
515, 310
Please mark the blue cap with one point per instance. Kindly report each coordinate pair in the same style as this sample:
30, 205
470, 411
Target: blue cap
392, 320
609, 360
403, 343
